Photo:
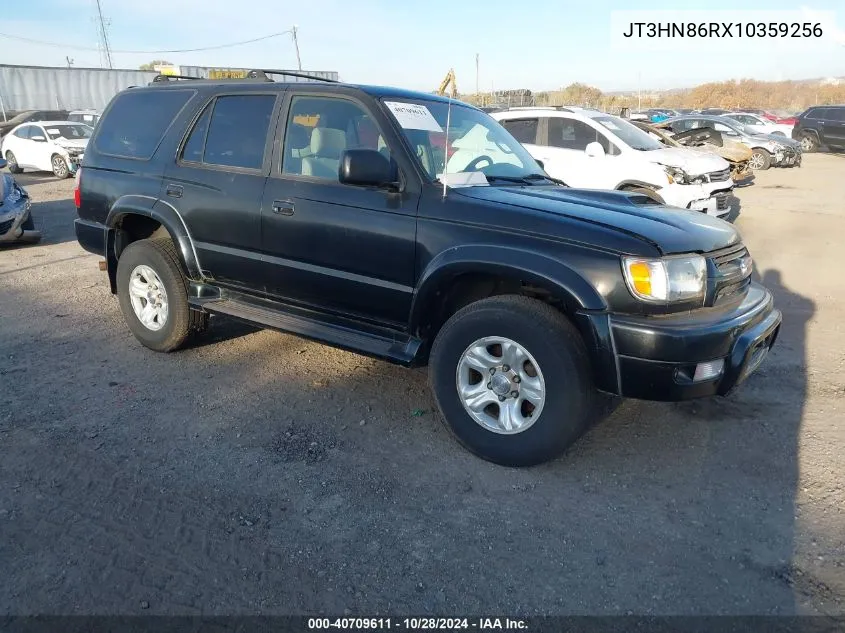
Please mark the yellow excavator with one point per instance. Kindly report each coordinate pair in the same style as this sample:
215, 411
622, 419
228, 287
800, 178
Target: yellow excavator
449, 82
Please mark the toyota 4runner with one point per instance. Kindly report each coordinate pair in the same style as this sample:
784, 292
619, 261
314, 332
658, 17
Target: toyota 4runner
414, 229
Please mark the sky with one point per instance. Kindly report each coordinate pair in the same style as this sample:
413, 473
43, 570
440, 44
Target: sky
534, 44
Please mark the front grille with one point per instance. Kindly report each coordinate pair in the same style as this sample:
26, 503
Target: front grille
730, 273
5, 226
719, 176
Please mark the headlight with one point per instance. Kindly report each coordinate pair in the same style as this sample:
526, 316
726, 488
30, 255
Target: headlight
667, 280
675, 174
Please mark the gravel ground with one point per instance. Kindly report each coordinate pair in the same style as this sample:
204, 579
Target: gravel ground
261, 473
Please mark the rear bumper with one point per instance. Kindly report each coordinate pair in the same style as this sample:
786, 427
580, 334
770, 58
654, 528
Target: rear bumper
92, 236
655, 358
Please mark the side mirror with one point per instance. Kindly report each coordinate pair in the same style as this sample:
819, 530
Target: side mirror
366, 167
38, 138
594, 150
2, 163
541, 164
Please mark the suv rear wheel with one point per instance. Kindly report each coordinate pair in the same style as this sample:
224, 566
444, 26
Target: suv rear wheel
809, 143
153, 294
512, 381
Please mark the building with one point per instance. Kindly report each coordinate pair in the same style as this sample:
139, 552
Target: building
57, 88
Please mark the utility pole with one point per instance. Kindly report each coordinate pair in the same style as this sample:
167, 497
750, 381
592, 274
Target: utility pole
104, 36
639, 91
477, 90
296, 45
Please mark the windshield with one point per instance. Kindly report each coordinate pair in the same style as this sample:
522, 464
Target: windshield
70, 132
476, 143
732, 124
628, 133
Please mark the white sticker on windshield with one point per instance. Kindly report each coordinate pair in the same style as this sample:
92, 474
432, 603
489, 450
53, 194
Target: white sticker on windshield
52, 130
610, 125
413, 116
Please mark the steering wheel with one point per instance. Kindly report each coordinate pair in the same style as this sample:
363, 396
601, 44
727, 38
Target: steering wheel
473, 166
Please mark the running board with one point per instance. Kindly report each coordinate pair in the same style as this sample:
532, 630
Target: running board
383, 343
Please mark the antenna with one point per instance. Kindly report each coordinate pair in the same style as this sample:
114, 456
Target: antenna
296, 45
446, 147
105, 50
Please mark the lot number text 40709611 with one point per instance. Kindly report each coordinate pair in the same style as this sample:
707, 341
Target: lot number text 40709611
417, 624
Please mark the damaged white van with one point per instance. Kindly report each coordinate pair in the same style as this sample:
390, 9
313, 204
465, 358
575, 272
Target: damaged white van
589, 149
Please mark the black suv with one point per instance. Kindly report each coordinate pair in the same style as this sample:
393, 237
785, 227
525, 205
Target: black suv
821, 125
414, 229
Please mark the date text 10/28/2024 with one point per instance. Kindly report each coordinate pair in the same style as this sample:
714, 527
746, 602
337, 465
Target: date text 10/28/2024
417, 624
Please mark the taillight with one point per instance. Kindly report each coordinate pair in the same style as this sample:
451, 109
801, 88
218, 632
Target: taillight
77, 197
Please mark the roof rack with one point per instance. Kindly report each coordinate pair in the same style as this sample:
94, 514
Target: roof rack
162, 78
261, 73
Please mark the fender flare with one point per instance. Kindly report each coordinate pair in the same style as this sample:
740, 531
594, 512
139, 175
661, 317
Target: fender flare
508, 262
637, 183
165, 214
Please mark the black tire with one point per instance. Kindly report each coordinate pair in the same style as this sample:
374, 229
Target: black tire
560, 353
162, 257
60, 168
645, 191
13, 163
809, 143
763, 159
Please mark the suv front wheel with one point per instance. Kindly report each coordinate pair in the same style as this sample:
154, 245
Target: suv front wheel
153, 294
511, 378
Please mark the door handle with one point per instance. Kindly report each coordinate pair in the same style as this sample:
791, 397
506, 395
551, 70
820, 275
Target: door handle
174, 191
283, 207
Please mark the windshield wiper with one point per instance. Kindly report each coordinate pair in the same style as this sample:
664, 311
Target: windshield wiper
534, 177
525, 180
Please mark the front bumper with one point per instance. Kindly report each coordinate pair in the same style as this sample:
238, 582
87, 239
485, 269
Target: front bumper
787, 158
656, 357
12, 219
711, 198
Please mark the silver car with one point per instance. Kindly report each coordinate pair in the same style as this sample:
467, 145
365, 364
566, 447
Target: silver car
768, 150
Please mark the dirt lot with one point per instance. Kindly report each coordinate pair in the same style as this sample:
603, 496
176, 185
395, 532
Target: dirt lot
260, 473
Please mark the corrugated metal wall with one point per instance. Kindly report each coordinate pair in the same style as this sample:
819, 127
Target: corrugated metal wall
45, 88
42, 88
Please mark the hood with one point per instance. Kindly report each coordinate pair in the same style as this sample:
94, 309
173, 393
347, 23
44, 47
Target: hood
774, 138
692, 162
731, 152
669, 229
75, 143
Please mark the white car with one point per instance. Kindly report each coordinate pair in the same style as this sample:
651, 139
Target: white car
760, 125
56, 146
593, 150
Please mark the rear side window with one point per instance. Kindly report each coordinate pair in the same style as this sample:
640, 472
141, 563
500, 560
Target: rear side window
137, 121
237, 131
523, 130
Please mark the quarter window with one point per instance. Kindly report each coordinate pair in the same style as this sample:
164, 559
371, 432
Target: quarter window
24, 132
137, 121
